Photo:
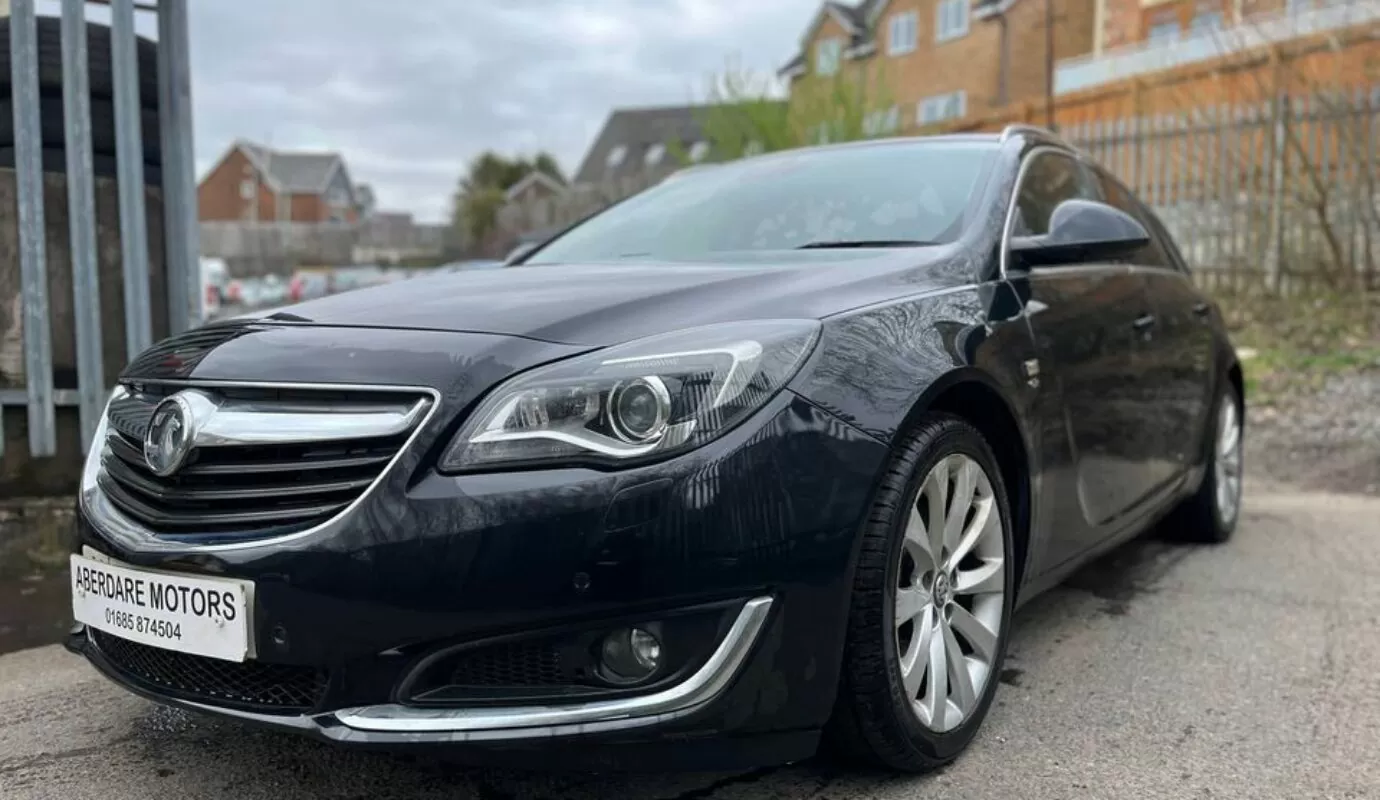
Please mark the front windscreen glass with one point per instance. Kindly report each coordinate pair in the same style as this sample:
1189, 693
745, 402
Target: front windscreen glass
891, 194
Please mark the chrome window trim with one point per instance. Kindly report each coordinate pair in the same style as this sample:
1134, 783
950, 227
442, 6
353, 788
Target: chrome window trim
707, 683
112, 523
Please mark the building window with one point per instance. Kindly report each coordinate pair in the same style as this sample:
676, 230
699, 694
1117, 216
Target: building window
942, 107
247, 189
902, 33
699, 151
951, 20
1206, 17
883, 121
828, 53
654, 155
1163, 27
616, 156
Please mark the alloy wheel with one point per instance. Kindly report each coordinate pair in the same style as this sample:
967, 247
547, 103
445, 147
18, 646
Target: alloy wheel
950, 593
1228, 461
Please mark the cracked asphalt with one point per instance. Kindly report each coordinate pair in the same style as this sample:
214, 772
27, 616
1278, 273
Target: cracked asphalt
1162, 671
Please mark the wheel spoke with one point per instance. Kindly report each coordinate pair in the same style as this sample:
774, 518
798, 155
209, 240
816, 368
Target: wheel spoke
1231, 435
910, 603
937, 494
982, 524
982, 639
965, 484
986, 579
918, 543
936, 700
915, 661
959, 678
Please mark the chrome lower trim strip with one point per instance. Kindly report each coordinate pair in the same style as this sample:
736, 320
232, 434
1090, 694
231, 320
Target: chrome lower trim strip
110, 522
556, 720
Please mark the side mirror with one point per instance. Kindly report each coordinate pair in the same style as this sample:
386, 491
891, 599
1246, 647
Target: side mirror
1081, 232
518, 252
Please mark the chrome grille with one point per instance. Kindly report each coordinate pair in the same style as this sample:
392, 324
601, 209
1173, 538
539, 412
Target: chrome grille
261, 480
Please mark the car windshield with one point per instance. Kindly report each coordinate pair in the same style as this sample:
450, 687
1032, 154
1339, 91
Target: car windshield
887, 195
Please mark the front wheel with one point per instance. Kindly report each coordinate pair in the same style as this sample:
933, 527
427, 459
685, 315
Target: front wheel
931, 603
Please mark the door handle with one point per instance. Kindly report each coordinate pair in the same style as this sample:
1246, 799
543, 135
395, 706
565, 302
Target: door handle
1144, 323
1201, 309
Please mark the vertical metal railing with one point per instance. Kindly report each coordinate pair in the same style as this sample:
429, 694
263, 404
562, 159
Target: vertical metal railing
39, 397
81, 214
28, 167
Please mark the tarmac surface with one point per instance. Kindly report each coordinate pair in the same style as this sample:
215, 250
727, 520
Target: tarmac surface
1162, 671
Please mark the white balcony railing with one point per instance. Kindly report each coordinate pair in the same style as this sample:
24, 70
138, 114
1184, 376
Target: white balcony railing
1259, 30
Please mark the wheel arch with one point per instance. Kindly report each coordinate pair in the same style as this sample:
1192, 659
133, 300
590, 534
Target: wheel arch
972, 395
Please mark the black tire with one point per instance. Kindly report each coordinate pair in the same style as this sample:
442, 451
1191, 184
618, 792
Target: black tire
98, 67
1199, 518
55, 160
52, 122
872, 720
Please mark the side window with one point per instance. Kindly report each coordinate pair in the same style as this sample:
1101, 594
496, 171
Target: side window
1155, 254
1050, 178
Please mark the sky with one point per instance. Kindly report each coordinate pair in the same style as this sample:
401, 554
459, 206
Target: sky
409, 90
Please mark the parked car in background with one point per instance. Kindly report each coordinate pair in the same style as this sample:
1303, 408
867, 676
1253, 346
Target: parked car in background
307, 285
765, 456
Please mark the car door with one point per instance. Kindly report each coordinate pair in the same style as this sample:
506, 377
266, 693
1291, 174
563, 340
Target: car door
1178, 356
1088, 321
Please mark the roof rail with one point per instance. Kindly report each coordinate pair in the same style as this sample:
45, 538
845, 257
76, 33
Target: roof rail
1013, 129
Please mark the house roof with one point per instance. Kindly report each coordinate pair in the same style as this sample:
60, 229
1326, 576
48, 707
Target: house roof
638, 131
534, 178
295, 172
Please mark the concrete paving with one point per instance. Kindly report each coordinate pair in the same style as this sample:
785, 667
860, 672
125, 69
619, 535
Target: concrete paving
1247, 670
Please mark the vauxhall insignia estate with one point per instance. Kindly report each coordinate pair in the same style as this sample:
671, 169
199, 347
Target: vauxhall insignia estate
756, 462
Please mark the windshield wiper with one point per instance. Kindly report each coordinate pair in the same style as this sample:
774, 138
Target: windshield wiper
846, 243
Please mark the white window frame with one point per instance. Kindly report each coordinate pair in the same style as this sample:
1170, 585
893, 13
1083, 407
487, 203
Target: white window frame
833, 47
931, 110
616, 156
699, 151
655, 153
902, 33
882, 122
947, 28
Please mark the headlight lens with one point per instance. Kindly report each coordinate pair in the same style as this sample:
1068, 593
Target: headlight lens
642, 399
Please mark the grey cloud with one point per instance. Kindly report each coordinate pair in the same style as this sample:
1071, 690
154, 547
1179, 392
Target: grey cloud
410, 91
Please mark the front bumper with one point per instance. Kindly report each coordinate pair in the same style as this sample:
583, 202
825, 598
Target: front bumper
762, 522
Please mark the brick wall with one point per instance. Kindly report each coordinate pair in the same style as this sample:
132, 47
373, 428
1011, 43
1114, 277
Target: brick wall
1128, 21
219, 197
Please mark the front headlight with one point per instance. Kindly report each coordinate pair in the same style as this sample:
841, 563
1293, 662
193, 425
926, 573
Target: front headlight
643, 399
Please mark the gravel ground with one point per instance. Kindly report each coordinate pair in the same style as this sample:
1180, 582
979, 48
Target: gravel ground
1328, 439
1242, 671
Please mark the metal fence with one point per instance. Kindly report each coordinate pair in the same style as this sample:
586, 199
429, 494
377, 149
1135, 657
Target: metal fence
36, 210
1280, 195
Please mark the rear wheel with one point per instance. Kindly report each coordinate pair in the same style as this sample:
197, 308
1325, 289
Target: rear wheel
1210, 515
931, 603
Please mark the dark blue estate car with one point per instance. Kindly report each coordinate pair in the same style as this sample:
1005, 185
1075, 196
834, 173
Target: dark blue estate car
760, 457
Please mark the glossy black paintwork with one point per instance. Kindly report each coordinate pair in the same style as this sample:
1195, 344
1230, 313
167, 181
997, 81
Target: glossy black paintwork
1110, 432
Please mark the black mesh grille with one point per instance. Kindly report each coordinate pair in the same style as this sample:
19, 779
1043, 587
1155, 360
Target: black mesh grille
250, 684
518, 664
243, 491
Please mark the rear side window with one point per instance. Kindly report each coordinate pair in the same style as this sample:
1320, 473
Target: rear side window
1157, 253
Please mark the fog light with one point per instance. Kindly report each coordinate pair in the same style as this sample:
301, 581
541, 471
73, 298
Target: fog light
630, 655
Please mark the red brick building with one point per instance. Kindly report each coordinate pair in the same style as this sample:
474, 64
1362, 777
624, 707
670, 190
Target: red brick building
253, 183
